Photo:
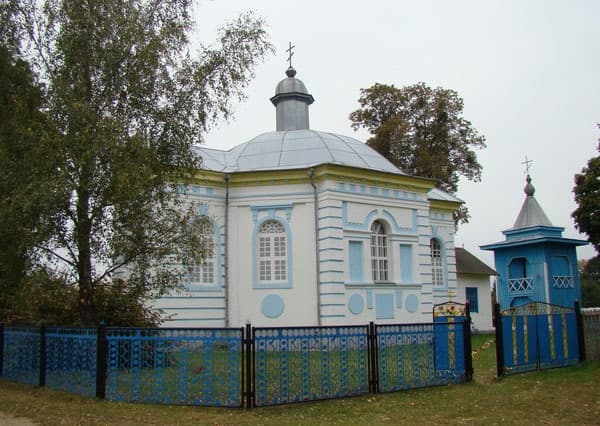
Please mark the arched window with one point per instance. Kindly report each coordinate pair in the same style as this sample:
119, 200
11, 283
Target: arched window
202, 273
272, 256
379, 252
437, 265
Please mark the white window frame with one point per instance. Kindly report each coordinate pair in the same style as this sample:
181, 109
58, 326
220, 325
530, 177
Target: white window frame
203, 273
437, 263
380, 271
272, 252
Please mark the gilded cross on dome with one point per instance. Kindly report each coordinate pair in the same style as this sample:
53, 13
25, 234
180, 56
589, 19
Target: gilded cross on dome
290, 53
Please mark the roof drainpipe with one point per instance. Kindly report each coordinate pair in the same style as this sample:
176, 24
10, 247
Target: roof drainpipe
226, 178
311, 176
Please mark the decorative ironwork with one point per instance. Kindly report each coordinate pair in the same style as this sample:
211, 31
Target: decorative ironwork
520, 285
22, 354
303, 364
449, 309
419, 355
71, 359
538, 336
560, 281
184, 366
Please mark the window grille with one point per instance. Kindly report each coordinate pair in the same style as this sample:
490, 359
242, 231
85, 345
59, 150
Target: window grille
272, 252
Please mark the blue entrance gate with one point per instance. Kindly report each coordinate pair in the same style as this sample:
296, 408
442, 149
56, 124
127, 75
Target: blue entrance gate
537, 336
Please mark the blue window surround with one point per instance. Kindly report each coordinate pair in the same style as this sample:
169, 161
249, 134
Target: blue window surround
471, 296
355, 253
218, 247
272, 215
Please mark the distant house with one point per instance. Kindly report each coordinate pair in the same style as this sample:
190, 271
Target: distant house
473, 286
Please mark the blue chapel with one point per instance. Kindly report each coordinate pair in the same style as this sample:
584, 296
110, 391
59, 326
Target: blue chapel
535, 263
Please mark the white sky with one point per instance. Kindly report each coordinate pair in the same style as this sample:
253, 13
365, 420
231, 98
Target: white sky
528, 72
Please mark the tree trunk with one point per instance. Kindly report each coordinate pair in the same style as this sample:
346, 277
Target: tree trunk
87, 310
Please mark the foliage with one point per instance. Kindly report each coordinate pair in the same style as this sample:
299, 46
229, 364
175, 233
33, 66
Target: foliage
587, 197
129, 100
589, 277
28, 194
421, 130
47, 297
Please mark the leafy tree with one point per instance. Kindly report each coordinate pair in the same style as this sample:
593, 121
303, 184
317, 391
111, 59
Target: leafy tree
422, 131
28, 195
129, 100
589, 276
587, 197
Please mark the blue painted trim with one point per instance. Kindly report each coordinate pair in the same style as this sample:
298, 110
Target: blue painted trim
412, 303
356, 304
331, 282
272, 306
369, 298
336, 228
374, 215
355, 252
331, 260
329, 207
271, 215
333, 316
341, 293
398, 298
329, 217
333, 304
406, 263
330, 249
384, 306
331, 238
254, 195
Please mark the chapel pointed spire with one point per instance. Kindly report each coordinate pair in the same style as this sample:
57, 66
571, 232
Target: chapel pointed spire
531, 213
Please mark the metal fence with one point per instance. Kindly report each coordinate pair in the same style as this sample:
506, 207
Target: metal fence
537, 336
591, 331
236, 367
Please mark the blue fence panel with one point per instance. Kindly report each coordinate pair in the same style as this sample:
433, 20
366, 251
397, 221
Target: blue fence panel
419, 355
22, 354
538, 336
175, 366
310, 363
71, 359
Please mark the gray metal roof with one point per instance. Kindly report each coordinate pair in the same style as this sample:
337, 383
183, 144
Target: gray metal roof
295, 149
468, 263
531, 213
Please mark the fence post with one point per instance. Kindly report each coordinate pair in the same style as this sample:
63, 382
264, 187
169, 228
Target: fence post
1, 349
372, 358
249, 346
467, 344
499, 341
101, 353
580, 332
42, 380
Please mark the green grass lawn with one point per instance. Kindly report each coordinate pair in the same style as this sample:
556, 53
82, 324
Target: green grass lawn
553, 397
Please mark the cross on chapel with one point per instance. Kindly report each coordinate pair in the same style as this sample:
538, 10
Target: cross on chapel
527, 163
290, 53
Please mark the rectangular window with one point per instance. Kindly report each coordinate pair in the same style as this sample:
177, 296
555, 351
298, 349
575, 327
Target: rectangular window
471, 296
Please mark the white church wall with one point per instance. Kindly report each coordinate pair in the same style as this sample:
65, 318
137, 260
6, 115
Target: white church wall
287, 302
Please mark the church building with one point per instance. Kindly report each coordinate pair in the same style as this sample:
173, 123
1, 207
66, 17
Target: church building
535, 263
313, 228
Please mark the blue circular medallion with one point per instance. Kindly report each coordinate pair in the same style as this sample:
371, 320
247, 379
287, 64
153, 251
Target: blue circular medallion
356, 304
272, 306
412, 303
